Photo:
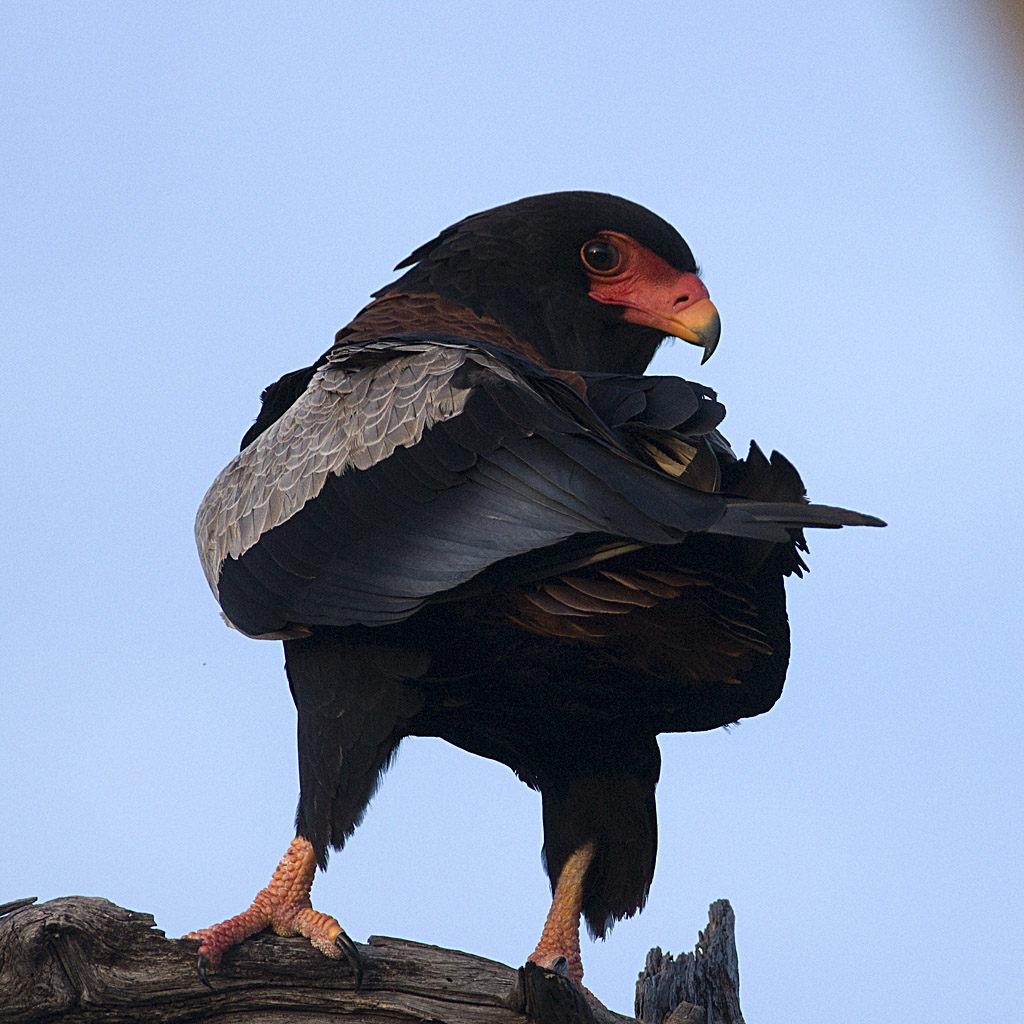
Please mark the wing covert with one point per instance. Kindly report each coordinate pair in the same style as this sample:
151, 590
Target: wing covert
352, 414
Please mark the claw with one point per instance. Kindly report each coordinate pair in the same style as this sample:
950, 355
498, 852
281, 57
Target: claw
355, 961
201, 966
560, 965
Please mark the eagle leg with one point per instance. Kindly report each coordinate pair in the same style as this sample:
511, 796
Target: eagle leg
559, 946
284, 905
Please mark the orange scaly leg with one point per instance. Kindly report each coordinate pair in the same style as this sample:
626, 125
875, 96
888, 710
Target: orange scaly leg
284, 906
559, 946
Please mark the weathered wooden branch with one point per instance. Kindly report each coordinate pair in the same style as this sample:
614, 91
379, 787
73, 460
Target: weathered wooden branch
80, 960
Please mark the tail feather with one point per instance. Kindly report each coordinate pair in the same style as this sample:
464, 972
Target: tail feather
770, 520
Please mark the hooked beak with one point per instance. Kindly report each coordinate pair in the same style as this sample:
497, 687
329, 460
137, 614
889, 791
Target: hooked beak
698, 324
680, 308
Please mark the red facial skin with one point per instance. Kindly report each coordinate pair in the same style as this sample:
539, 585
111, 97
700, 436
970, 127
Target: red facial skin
653, 293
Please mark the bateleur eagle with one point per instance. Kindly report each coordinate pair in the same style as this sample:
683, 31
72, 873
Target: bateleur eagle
474, 517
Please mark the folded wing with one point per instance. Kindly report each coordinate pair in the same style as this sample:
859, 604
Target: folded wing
410, 465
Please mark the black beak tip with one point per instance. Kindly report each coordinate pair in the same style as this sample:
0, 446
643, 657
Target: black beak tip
709, 337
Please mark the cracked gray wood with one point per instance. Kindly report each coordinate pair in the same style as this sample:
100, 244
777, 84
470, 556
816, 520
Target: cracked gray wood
84, 960
702, 987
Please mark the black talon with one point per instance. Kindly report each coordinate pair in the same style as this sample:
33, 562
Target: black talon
355, 961
201, 968
560, 965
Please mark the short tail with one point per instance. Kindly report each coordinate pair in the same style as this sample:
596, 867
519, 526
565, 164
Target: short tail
765, 499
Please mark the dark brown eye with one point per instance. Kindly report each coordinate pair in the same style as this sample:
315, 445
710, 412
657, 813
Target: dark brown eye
601, 257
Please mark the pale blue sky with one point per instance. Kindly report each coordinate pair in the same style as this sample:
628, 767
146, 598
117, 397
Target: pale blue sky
196, 196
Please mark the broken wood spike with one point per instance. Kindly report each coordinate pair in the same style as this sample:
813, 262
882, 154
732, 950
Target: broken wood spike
703, 986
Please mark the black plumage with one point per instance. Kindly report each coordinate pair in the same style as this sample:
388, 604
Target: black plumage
474, 518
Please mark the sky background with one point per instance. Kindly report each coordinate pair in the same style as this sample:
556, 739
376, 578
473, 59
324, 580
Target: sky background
197, 196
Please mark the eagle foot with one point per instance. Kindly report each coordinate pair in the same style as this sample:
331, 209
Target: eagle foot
285, 907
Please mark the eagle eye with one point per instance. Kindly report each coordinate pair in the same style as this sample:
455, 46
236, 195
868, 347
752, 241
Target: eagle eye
601, 256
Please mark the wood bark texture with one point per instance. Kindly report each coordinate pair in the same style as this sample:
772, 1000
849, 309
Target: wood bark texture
84, 960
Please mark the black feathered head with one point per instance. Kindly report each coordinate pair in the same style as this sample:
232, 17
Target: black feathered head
591, 281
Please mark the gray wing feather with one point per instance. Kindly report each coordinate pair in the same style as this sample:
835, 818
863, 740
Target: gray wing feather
347, 417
